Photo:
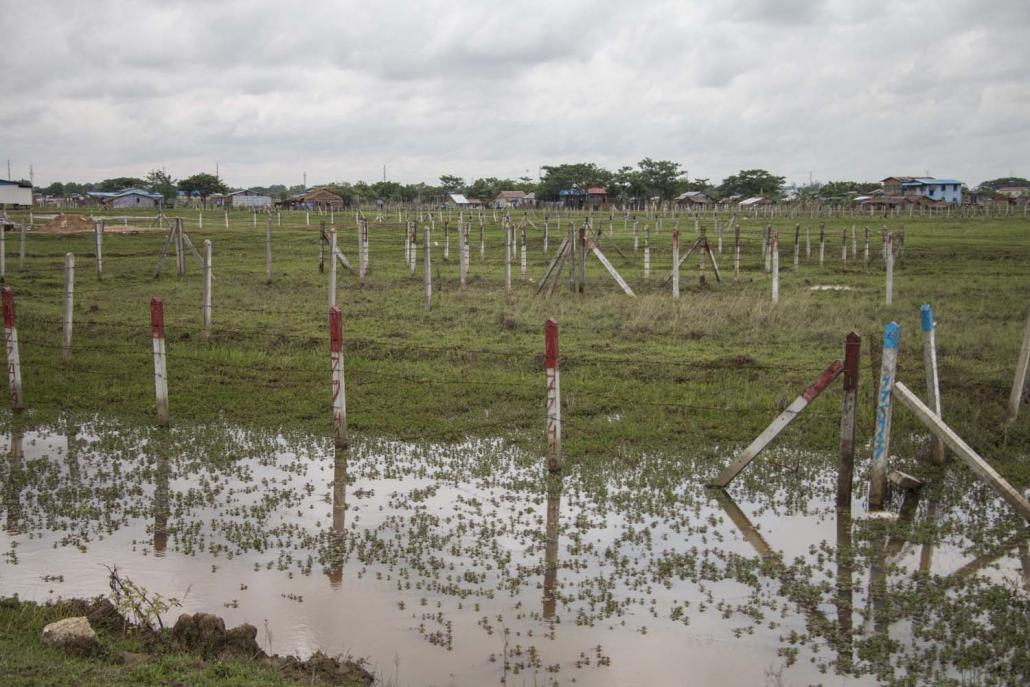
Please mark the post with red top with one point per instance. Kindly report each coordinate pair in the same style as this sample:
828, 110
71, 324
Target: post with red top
13, 359
157, 328
336, 364
846, 468
554, 457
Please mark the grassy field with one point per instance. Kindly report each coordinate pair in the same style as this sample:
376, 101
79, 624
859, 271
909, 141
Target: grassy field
26, 661
687, 380
647, 372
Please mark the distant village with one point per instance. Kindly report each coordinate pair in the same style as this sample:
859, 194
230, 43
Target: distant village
893, 192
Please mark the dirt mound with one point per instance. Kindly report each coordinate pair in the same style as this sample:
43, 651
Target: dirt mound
68, 224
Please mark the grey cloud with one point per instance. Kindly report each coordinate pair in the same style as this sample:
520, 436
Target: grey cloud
845, 89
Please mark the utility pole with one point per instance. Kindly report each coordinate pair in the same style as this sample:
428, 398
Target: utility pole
384, 174
305, 181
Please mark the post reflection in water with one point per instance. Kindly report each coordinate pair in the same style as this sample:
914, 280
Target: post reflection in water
336, 533
71, 436
161, 500
554, 489
799, 591
844, 600
15, 476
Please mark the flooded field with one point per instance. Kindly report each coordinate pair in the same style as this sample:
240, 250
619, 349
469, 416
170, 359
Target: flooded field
465, 564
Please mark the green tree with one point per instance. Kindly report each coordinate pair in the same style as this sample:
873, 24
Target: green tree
993, 185
161, 182
204, 184
578, 175
55, 190
847, 189
659, 177
452, 184
119, 183
752, 182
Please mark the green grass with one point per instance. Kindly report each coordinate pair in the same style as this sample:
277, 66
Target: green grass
25, 660
637, 373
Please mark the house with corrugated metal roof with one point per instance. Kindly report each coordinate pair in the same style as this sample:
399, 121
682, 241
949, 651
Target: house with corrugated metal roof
945, 190
128, 199
691, 199
15, 193
513, 199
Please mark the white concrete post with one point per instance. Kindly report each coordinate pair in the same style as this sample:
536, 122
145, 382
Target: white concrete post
774, 248
554, 453
338, 381
207, 288
69, 295
427, 269
268, 251
99, 228
675, 263
889, 252
332, 267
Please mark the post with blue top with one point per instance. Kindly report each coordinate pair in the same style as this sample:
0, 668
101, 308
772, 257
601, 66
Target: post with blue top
882, 436
933, 382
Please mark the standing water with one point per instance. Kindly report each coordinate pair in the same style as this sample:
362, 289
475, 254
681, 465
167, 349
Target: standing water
465, 564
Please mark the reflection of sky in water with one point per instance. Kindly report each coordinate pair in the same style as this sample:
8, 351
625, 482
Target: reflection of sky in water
250, 527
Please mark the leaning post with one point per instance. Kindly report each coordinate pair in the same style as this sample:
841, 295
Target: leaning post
933, 382
1016, 397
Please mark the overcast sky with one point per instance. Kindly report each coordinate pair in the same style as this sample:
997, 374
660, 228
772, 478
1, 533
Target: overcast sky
270, 90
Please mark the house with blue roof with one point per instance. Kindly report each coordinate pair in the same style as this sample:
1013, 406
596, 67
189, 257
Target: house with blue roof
941, 190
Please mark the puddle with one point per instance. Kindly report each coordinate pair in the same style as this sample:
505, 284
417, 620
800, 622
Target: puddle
464, 564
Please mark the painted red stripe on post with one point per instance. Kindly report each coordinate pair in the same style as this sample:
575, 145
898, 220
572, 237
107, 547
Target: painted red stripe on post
157, 318
828, 375
8, 307
852, 346
551, 344
335, 330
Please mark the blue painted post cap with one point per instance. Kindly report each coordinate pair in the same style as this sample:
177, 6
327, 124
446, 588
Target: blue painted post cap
926, 317
891, 335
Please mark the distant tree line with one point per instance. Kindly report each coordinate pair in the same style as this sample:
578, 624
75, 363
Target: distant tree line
649, 179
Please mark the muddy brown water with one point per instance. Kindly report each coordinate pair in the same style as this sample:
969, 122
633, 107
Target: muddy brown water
463, 564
